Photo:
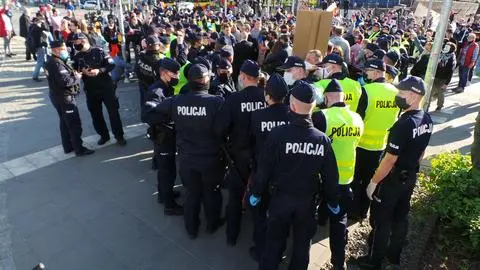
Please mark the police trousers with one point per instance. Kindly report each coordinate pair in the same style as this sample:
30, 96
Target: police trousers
366, 164
338, 228
106, 96
259, 218
164, 156
285, 212
70, 123
389, 217
201, 177
236, 179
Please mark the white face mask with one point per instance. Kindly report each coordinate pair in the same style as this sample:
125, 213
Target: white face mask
319, 98
327, 73
288, 77
321, 73
240, 84
309, 66
446, 49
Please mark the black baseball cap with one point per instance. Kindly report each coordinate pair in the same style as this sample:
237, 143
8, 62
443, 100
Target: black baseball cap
56, 44
413, 84
198, 71
79, 36
377, 64
152, 40
391, 70
333, 87
250, 68
276, 87
303, 92
169, 64
224, 64
292, 61
333, 58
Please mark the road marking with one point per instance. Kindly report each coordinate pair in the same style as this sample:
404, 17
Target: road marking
47, 157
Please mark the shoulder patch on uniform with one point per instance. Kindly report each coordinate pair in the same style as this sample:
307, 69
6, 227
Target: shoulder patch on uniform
394, 146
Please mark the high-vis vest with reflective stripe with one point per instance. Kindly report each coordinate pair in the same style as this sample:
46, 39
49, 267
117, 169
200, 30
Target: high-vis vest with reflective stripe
374, 36
380, 115
351, 88
182, 80
345, 128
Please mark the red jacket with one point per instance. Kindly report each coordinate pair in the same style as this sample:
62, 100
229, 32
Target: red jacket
469, 55
3, 31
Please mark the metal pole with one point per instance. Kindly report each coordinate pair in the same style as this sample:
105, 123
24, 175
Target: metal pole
122, 29
429, 13
293, 6
435, 53
226, 7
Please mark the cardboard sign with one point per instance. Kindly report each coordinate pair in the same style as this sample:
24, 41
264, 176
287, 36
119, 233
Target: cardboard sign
312, 31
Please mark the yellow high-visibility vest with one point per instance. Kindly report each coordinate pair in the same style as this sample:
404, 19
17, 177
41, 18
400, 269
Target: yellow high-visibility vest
351, 88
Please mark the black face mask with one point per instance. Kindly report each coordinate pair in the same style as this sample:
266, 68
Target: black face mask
173, 82
196, 86
401, 103
78, 47
223, 78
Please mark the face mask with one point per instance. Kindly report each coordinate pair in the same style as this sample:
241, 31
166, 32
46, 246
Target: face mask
173, 81
361, 81
319, 98
78, 47
63, 55
446, 49
401, 103
309, 66
365, 78
223, 77
240, 85
288, 77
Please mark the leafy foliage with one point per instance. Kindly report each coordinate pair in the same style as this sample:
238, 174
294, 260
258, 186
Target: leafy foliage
455, 188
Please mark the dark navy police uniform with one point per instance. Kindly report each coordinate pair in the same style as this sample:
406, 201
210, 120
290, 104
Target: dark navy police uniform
100, 89
235, 121
296, 151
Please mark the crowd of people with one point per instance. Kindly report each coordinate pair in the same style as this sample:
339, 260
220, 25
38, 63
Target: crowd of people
295, 140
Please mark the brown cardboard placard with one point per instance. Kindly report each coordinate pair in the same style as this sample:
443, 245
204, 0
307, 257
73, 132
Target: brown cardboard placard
312, 31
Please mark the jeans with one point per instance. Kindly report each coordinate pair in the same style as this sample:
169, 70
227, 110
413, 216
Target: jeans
463, 76
41, 59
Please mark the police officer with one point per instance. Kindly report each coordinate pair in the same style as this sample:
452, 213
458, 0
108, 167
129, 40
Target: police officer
95, 65
223, 84
391, 187
163, 135
378, 110
344, 127
63, 82
263, 121
301, 152
235, 121
198, 147
146, 66
293, 70
352, 90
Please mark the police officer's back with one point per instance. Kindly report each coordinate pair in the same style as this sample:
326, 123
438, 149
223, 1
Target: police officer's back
301, 152
194, 114
63, 82
391, 187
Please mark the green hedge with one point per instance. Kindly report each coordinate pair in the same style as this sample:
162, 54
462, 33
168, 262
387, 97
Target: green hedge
455, 188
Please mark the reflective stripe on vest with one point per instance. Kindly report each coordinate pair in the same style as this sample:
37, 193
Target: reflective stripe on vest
345, 128
351, 88
373, 36
182, 80
381, 114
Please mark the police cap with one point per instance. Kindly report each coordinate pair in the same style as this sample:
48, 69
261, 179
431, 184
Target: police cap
413, 84
203, 61
164, 40
276, 87
198, 71
226, 51
292, 61
393, 55
304, 92
377, 64
391, 70
169, 64
377, 24
152, 40
56, 44
224, 64
333, 87
379, 53
333, 58
79, 36
250, 68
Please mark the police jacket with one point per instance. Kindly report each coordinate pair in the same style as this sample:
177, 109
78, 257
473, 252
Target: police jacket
61, 77
263, 121
95, 58
156, 93
235, 117
292, 158
194, 115
146, 68
222, 89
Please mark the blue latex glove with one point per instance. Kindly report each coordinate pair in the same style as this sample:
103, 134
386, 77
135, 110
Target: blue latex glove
334, 210
254, 200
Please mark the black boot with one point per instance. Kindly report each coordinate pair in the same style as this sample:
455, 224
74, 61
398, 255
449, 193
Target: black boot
174, 210
103, 140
